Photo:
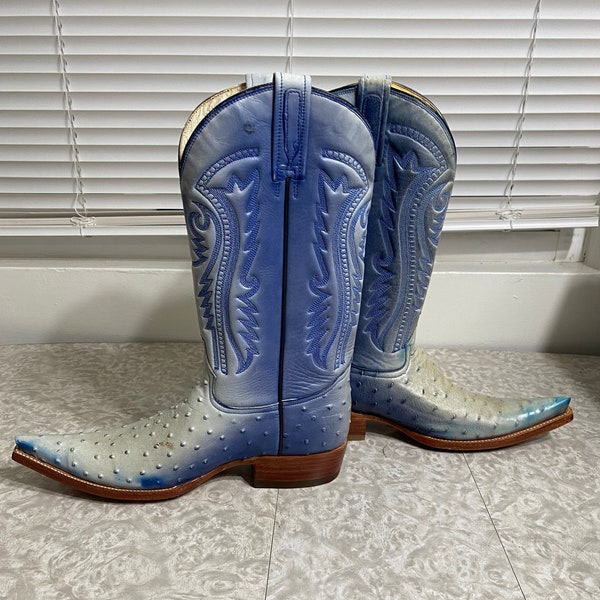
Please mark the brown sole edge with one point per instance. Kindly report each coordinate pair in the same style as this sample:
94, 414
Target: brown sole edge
358, 428
267, 471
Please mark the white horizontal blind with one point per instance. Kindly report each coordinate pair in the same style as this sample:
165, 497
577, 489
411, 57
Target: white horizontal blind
137, 69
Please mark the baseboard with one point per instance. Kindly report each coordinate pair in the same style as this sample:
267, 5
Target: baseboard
546, 307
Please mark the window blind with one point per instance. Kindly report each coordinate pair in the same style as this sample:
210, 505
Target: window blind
137, 69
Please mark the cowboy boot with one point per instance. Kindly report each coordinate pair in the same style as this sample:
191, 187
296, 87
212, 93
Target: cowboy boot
276, 183
392, 380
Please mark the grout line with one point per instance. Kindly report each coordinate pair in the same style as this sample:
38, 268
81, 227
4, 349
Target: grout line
495, 528
271, 547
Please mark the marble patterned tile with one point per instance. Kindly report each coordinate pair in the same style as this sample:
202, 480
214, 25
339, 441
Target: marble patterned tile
58, 544
544, 496
399, 522
213, 543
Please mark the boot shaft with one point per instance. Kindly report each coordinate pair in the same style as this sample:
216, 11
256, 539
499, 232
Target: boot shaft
416, 162
276, 182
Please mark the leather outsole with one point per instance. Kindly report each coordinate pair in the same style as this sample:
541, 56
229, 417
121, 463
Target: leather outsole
358, 428
266, 471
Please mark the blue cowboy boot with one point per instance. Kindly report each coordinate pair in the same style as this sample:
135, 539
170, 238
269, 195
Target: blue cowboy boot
276, 183
393, 381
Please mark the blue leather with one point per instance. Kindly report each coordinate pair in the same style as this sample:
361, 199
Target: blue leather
291, 112
413, 183
373, 101
391, 378
276, 184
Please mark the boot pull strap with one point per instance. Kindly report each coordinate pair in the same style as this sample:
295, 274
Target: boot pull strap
291, 112
373, 101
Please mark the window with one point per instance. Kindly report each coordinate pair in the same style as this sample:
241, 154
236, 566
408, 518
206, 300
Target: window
134, 71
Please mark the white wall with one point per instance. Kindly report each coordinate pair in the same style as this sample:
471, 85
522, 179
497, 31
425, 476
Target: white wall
521, 306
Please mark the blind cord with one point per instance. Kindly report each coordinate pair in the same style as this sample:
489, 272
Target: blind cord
507, 212
81, 218
289, 49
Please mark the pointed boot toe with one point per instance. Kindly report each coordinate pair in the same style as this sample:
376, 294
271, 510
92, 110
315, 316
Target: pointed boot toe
28, 443
538, 410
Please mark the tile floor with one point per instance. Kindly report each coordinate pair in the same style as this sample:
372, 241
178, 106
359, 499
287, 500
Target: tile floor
400, 522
